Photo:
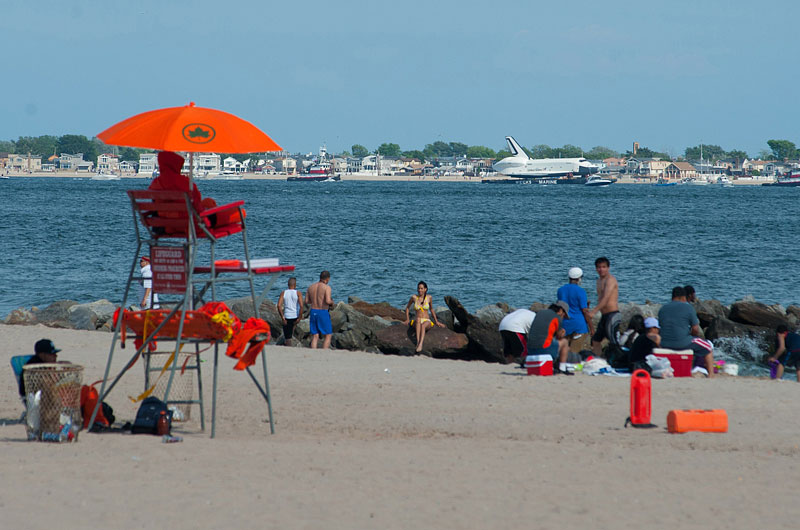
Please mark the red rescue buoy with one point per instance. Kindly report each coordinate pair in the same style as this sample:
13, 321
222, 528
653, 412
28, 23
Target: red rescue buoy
640, 400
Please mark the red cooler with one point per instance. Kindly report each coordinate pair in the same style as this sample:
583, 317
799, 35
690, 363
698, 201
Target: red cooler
681, 360
539, 364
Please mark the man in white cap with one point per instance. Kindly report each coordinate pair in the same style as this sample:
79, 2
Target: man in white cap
579, 327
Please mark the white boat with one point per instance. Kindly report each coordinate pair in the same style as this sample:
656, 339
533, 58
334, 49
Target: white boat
724, 181
105, 176
598, 182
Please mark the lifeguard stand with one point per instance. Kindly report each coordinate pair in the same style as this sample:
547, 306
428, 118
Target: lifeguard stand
172, 230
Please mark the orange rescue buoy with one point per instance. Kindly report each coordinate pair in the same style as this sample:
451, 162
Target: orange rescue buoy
680, 421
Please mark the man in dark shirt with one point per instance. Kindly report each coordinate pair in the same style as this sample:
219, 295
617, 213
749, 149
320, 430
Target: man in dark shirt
787, 351
547, 337
44, 352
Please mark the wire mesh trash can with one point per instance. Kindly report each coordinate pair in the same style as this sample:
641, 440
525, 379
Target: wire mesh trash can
182, 391
53, 398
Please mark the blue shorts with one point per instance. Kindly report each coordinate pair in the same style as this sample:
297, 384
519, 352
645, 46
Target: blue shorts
319, 320
551, 350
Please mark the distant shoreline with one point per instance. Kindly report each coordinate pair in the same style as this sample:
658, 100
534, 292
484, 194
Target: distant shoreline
358, 177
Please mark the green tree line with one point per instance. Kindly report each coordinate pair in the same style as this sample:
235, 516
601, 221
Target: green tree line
778, 149
47, 146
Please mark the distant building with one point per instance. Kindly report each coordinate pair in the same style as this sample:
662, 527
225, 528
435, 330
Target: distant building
28, 163
749, 166
231, 165
148, 162
286, 165
107, 163
69, 161
679, 170
205, 163
126, 166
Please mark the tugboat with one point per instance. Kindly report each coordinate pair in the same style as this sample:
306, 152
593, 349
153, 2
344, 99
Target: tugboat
790, 179
321, 170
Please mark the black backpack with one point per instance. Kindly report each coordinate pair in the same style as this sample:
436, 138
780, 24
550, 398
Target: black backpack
148, 414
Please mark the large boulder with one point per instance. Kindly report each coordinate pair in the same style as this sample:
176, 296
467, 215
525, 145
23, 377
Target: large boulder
20, 316
459, 312
722, 327
338, 318
56, 315
350, 339
485, 341
445, 316
358, 331
91, 316
538, 306
628, 309
793, 310
268, 311
491, 314
708, 310
757, 314
399, 339
381, 309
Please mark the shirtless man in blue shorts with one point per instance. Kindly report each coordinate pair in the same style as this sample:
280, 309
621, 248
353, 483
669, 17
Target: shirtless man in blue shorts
319, 319
607, 305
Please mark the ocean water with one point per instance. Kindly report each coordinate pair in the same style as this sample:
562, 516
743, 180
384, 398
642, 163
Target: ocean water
65, 238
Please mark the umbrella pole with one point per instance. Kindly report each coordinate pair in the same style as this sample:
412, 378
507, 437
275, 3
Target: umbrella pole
191, 171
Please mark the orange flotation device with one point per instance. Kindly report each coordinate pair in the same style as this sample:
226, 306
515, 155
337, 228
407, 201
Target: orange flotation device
236, 347
214, 321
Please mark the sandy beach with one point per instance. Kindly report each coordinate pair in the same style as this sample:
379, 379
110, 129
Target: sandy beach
372, 441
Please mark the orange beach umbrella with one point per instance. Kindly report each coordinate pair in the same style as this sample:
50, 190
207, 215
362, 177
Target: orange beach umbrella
190, 129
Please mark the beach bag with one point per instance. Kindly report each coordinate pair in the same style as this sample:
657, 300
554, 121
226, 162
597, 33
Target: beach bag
105, 415
661, 368
148, 414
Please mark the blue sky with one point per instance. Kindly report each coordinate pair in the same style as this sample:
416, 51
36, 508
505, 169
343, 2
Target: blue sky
589, 73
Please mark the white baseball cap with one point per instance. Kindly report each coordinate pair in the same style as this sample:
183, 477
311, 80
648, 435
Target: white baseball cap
651, 322
575, 273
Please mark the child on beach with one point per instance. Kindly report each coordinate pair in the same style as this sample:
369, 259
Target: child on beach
787, 351
422, 303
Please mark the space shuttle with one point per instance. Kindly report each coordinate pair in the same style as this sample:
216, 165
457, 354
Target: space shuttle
520, 165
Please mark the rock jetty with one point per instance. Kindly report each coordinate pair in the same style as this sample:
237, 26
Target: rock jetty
378, 327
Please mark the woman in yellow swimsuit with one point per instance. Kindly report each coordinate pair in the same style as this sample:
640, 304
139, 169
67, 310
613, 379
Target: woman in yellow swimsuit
422, 309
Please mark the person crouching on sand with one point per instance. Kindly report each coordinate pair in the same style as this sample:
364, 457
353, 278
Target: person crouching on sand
422, 306
787, 351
